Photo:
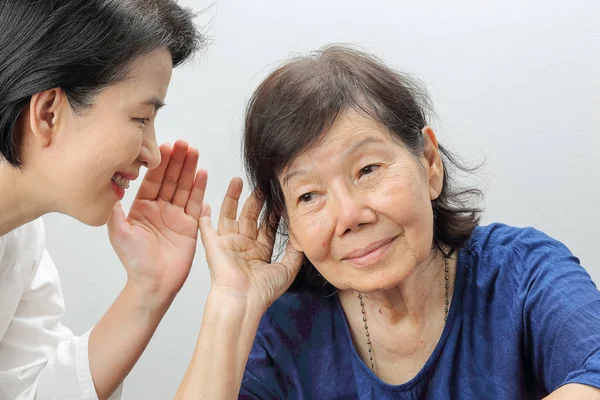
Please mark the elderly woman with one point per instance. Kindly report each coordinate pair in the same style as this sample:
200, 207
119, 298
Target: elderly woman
394, 291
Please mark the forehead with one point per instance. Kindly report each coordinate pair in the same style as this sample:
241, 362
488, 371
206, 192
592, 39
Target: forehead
351, 131
147, 80
154, 68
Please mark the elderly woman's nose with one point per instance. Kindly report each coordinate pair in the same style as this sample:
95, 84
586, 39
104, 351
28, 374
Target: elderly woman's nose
352, 211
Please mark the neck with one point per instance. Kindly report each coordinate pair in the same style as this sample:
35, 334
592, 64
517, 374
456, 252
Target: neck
18, 203
408, 316
405, 322
420, 295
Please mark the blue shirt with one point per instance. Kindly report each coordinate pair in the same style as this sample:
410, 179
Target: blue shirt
524, 320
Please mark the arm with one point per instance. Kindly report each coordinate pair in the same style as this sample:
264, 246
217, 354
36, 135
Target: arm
575, 391
39, 357
120, 337
225, 339
244, 283
156, 244
561, 317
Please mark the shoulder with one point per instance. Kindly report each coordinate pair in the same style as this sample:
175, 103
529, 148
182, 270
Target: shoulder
500, 241
23, 246
499, 236
33, 233
524, 255
27, 237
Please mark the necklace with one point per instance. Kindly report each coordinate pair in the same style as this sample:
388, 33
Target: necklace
364, 314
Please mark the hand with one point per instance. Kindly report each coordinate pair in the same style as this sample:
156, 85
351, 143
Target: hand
156, 242
239, 252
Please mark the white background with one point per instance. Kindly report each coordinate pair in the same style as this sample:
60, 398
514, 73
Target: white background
514, 83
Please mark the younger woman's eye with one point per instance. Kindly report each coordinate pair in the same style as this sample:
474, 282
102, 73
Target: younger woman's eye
142, 121
368, 169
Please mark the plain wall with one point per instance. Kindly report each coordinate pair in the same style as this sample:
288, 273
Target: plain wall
514, 83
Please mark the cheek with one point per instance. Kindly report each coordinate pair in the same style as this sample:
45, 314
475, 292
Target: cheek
126, 141
405, 201
118, 137
313, 234
86, 196
136, 141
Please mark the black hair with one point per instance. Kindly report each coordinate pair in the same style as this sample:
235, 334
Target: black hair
80, 46
295, 106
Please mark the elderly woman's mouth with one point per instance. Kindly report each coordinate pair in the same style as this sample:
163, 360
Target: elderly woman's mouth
370, 254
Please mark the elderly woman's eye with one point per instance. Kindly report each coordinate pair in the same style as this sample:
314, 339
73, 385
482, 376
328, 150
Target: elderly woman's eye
368, 169
306, 198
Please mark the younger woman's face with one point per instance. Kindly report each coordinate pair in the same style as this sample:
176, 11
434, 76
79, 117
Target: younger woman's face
90, 157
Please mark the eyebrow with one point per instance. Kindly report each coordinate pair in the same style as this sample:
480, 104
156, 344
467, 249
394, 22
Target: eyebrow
156, 102
297, 172
361, 143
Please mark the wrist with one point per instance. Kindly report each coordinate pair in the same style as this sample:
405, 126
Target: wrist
230, 302
152, 303
229, 326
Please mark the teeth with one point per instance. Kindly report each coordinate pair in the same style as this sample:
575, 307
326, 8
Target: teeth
119, 180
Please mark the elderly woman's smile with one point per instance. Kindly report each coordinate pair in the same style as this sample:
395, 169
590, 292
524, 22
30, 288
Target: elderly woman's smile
359, 204
371, 253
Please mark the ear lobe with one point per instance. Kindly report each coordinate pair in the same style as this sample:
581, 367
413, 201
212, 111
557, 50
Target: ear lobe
44, 113
435, 168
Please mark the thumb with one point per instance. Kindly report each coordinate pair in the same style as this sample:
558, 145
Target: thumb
207, 231
116, 220
206, 211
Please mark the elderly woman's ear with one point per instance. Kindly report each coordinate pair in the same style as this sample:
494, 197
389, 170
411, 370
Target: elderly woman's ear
433, 163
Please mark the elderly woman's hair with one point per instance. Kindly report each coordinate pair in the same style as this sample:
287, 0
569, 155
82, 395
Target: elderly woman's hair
293, 109
80, 46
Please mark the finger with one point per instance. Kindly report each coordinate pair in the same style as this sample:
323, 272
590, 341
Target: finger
153, 180
206, 211
228, 214
248, 221
193, 207
169, 183
207, 231
116, 221
186, 178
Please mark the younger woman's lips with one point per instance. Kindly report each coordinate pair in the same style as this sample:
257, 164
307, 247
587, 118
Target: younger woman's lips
119, 191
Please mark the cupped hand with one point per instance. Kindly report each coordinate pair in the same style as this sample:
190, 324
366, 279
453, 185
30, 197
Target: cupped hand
156, 242
239, 252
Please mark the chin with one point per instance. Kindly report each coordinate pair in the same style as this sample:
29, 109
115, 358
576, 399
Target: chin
368, 287
377, 281
93, 217
97, 221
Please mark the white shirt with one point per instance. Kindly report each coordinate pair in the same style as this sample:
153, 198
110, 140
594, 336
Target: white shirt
39, 357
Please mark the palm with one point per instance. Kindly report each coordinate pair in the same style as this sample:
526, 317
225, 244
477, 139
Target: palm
156, 242
165, 240
239, 254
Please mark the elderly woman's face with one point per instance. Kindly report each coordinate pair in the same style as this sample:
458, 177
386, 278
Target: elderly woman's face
359, 204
